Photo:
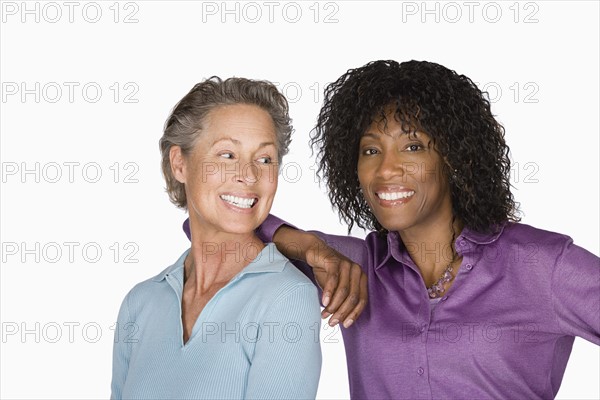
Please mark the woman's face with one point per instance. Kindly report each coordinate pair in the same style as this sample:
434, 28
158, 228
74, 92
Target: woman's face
402, 179
230, 176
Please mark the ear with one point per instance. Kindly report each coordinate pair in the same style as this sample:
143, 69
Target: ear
178, 164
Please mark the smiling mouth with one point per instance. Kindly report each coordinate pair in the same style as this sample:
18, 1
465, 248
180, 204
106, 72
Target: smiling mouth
241, 202
391, 196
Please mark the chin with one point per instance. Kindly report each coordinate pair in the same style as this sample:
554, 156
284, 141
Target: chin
240, 229
394, 225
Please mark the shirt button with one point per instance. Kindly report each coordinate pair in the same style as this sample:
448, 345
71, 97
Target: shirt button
423, 328
462, 243
420, 371
469, 267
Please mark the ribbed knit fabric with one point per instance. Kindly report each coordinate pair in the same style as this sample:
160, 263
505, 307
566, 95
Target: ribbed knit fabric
258, 337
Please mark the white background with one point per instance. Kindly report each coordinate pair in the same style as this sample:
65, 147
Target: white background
540, 65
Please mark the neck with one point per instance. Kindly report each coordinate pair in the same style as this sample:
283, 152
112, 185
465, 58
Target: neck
431, 247
216, 257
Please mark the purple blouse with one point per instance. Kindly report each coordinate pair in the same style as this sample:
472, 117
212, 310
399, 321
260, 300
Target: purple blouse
504, 329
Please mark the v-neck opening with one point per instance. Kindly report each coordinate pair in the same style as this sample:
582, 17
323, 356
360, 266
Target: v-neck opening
211, 302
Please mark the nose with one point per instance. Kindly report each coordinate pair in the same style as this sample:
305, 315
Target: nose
390, 165
248, 173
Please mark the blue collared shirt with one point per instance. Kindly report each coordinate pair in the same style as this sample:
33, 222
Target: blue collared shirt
258, 337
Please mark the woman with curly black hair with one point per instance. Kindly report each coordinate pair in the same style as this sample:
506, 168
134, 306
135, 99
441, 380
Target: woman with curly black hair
464, 301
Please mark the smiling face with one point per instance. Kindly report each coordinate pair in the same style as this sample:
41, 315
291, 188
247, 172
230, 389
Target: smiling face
401, 178
230, 176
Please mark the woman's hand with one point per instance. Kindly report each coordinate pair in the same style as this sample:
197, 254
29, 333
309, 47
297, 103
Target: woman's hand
343, 282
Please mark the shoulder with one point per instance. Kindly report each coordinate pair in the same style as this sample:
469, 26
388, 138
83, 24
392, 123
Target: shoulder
520, 244
274, 276
378, 245
154, 289
274, 287
552, 245
544, 242
291, 285
289, 296
377, 239
145, 295
518, 232
144, 290
342, 241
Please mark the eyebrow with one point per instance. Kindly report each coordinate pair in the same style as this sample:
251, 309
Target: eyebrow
377, 135
371, 135
237, 142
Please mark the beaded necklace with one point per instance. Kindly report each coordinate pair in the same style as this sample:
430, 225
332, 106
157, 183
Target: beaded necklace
437, 289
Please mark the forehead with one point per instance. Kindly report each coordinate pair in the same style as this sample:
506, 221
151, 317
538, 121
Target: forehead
244, 122
393, 129
392, 120
238, 114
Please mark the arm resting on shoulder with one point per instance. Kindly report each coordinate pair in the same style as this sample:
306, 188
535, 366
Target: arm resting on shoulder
329, 260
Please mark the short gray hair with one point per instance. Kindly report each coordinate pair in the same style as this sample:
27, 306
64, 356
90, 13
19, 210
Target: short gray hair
184, 125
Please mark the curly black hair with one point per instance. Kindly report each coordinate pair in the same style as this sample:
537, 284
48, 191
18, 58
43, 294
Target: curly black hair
429, 97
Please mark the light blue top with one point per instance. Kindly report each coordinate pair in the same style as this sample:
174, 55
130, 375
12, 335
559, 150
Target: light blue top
258, 337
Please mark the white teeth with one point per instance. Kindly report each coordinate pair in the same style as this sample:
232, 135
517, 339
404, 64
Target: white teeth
395, 195
240, 202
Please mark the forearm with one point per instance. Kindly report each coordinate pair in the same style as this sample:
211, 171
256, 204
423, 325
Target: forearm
294, 244
331, 262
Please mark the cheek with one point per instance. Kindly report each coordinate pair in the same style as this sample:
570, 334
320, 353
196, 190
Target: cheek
268, 181
268, 191
271, 175
274, 179
435, 179
362, 170
199, 172
270, 184
431, 170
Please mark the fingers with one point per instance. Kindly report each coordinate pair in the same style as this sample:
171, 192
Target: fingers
360, 306
344, 285
333, 277
352, 306
340, 292
326, 272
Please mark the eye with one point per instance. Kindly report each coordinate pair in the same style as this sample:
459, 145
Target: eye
226, 154
264, 160
414, 147
370, 152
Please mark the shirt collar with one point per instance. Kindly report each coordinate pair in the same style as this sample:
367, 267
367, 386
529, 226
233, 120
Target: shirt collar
463, 242
268, 260
482, 237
